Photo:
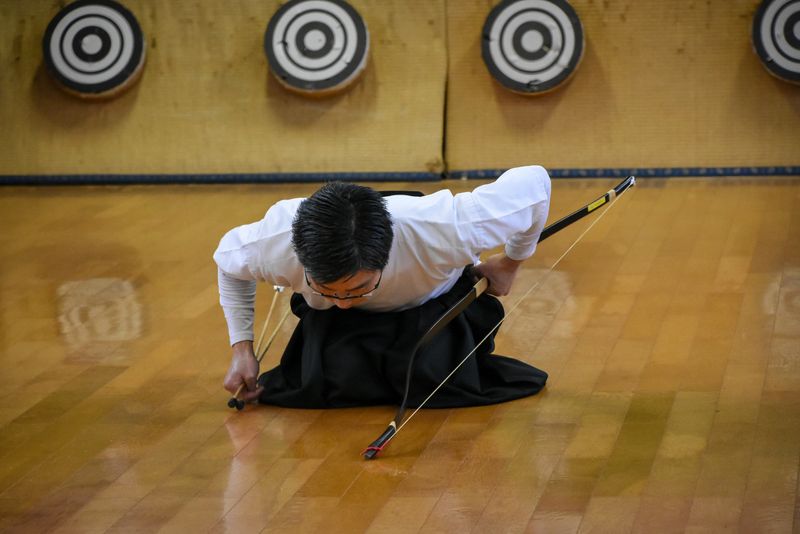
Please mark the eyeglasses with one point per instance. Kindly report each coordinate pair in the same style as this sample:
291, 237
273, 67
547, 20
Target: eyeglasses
346, 297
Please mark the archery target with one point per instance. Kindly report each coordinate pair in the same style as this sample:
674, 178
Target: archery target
532, 46
316, 46
776, 38
94, 48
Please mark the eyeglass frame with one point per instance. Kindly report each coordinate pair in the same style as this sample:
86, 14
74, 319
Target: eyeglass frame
334, 297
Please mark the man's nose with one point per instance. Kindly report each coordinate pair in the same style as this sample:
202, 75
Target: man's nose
344, 304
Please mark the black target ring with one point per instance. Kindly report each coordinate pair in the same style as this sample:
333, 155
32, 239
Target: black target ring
525, 29
776, 38
316, 46
303, 36
532, 46
86, 34
94, 48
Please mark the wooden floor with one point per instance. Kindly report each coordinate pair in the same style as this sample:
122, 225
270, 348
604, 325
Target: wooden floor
671, 333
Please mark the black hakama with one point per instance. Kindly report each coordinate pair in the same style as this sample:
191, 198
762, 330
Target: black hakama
341, 358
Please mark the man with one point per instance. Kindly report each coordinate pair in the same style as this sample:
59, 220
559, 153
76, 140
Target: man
370, 274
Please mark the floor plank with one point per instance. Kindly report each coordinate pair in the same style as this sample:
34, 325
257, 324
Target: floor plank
671, 333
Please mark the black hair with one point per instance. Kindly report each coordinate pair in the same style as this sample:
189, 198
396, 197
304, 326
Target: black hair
341, 229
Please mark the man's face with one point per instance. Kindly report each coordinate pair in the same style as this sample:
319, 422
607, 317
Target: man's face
348, 291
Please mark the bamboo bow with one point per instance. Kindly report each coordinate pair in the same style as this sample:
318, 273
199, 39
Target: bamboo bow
398, 422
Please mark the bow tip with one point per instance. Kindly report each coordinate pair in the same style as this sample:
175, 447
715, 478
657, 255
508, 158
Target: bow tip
371, 453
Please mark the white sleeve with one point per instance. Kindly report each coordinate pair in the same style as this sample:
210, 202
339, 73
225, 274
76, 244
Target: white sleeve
238, 298
251, 253
237, 282
510, 211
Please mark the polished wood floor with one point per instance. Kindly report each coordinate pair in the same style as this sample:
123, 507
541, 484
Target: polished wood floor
671, 333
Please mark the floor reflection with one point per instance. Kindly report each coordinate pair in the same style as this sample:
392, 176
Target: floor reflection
97, 316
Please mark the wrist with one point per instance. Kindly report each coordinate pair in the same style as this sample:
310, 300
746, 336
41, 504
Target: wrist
511, 263
244, 347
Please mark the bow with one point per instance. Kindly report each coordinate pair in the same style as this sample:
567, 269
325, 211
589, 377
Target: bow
398, 422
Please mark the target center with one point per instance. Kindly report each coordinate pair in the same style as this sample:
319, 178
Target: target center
91, 44
532, 41
796, 29
314, 40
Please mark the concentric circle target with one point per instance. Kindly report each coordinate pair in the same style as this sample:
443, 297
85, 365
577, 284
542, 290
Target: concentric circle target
776, 38
316, 46
94, 48
532, 46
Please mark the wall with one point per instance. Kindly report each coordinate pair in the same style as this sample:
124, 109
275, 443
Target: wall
661, 84
206, 103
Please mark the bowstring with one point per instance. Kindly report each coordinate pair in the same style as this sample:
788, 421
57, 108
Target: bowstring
513, 308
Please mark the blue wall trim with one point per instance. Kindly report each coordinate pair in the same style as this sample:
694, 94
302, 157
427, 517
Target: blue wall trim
241, 178
646, 172
232, 178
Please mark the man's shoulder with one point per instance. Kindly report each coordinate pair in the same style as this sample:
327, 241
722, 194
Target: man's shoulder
407, 205
283, 208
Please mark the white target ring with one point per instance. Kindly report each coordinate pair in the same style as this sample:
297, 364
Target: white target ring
776, 38
532, 46
316, 46
94, 48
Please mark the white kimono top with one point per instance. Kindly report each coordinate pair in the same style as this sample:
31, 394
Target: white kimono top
435, 236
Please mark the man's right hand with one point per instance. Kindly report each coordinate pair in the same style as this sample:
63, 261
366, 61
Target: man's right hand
243, 370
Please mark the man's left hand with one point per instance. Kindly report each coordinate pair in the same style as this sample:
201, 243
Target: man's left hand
501, 271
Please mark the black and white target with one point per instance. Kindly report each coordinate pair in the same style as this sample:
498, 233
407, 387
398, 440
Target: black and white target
316, 46
776, 38
94, 48
532, 46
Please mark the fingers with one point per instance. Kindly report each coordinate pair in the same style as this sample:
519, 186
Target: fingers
231, 382
251, 390
499, 285
500, 271
243, 370
249, 395
498, 291
247, 381
250, 382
